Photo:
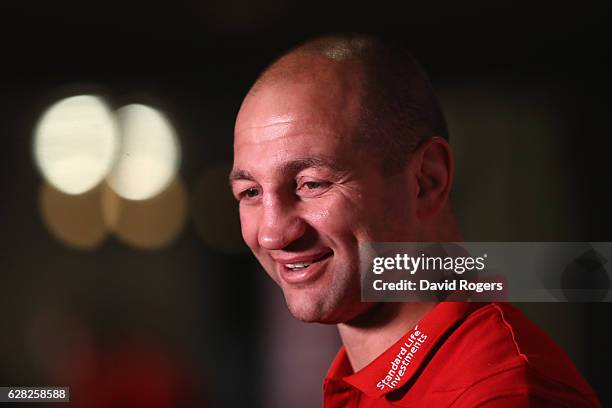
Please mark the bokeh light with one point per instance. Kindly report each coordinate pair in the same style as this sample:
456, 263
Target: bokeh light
76, 220
149, 155
146, 224
75, 143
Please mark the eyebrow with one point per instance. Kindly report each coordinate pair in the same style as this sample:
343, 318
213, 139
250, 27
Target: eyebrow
239, 175
294, 166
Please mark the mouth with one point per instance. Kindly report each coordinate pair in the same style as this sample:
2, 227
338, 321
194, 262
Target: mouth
303, 270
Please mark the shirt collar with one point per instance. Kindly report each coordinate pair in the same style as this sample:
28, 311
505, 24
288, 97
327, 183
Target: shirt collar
394, 367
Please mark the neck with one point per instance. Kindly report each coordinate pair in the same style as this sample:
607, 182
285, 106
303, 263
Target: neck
369, 335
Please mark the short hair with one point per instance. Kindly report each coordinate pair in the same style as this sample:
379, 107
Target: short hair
399, 108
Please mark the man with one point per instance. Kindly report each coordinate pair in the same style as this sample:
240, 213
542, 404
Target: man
341, 142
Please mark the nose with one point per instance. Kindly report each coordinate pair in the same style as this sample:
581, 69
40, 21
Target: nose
281, 224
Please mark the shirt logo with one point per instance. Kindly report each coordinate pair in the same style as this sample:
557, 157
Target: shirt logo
400, 363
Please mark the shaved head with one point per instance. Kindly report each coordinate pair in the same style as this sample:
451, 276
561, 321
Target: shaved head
397, 106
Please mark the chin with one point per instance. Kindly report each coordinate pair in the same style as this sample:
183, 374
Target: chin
333, 298
308, 316
308, 308
323, 309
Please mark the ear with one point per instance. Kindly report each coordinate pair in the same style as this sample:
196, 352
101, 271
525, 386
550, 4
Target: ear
433, 166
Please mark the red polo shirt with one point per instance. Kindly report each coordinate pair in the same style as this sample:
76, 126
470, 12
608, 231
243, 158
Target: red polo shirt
463, 355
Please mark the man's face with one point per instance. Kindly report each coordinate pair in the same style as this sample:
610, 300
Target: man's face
310, 194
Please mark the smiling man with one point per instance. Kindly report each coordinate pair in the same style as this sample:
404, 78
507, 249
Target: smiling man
342, 142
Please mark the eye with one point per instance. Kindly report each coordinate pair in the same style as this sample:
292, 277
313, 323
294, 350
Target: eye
250, 192
311, 185
312, 188
247, 194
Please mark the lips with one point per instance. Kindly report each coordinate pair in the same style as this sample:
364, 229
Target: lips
302, 269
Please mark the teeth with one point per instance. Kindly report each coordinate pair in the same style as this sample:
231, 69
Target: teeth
299, 265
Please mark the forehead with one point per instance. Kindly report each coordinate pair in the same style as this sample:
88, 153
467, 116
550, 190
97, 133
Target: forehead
307, 81
331, 103
297, 118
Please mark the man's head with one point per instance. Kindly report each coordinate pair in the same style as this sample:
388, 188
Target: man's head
340, 142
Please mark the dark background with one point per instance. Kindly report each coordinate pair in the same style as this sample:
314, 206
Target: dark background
526, 88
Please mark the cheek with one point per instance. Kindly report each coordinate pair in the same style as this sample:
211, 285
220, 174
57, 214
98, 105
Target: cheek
334, 219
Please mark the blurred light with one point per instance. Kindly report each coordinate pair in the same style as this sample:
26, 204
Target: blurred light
75, 220
215, 211
147, 224
149, 154
75, 143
